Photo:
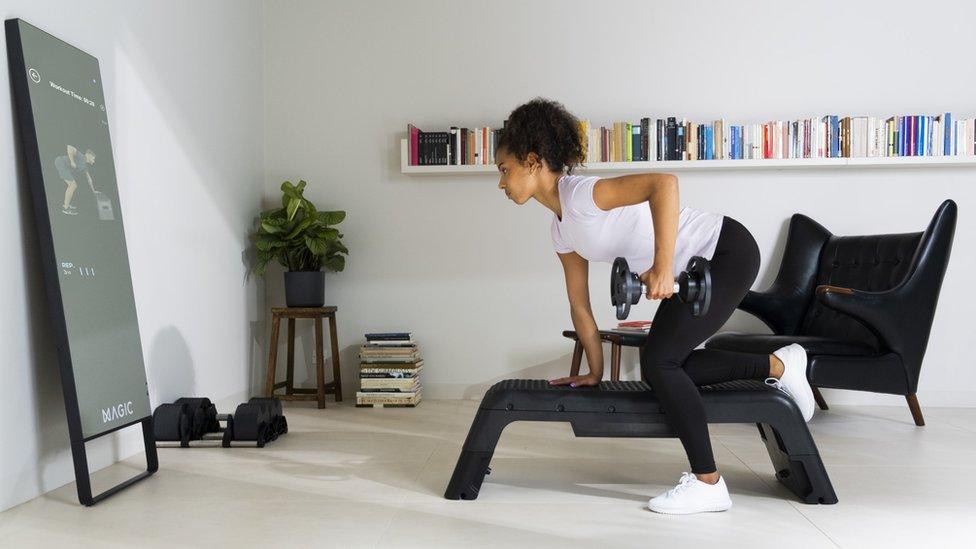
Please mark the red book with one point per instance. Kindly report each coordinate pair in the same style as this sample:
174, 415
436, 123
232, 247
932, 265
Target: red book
767, 142
807, 145
412, 135
634, 324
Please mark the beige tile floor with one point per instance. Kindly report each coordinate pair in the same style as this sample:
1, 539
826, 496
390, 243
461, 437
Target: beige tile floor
351, 477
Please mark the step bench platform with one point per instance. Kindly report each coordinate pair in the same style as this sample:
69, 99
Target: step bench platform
631, 409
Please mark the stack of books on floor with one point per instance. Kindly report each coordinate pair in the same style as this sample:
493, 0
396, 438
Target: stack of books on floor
389, 371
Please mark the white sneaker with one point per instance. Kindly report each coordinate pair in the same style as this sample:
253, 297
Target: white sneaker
692, 496
794, 382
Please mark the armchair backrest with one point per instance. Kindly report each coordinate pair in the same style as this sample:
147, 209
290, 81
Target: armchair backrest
870, 263
788, 298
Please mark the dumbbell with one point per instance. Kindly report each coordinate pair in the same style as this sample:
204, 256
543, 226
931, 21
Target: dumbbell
188, 420
259, 419
278, 421
252, 422
694, 286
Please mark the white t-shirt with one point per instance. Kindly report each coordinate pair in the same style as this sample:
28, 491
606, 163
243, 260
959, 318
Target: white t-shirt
627, 232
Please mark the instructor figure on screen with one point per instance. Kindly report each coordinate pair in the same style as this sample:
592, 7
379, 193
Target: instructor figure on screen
70, 167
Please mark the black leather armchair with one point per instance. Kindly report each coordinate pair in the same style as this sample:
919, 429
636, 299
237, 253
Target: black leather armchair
861, 306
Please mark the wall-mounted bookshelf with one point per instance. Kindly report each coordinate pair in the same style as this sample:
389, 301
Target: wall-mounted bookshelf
699, 165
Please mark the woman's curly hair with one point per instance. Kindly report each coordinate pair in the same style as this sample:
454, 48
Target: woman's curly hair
546, 128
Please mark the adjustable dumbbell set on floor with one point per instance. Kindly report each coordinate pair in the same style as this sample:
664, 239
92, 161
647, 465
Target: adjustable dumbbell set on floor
259, 420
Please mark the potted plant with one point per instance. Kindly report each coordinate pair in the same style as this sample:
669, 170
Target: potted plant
303, 241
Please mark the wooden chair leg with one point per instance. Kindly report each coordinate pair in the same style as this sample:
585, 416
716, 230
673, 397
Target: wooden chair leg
916, 410
336, 375
290, 373
821, 403
577, 359
320, 362
272, 355
615, 362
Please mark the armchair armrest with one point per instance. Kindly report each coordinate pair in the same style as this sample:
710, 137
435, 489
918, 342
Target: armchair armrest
886, 313
825, 289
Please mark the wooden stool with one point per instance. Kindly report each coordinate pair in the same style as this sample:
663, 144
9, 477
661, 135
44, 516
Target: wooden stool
322, 388
616, 339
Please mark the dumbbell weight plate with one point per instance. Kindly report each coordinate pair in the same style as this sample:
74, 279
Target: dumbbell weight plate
279, 425
625, 288
700, 278
250, 421
170, 422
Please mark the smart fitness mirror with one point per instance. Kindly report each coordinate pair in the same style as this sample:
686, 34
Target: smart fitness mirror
71, 172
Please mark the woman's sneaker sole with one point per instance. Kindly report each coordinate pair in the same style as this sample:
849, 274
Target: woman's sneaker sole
716, 509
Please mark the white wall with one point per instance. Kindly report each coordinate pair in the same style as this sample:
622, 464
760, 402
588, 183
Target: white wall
475, 277
183, 84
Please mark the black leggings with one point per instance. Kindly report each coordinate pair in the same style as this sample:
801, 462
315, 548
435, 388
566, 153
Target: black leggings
669, 361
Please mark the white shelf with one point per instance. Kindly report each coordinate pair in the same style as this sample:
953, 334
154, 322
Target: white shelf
699, 165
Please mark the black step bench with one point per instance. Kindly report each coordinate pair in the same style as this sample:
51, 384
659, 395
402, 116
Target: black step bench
631, 409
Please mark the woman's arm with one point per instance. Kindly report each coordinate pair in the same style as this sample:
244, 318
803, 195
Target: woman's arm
578, 289
661, 191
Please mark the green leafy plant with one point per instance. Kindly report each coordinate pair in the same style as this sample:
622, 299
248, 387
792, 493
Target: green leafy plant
298, 236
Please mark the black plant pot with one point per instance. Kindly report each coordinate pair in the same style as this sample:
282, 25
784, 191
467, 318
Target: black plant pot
305, 288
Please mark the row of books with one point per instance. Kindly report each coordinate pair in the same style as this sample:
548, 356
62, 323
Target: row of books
389, 370
457, 147
819, 137
666, 139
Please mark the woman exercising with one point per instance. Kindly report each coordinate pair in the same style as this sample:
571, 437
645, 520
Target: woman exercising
638, 217
70, 167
